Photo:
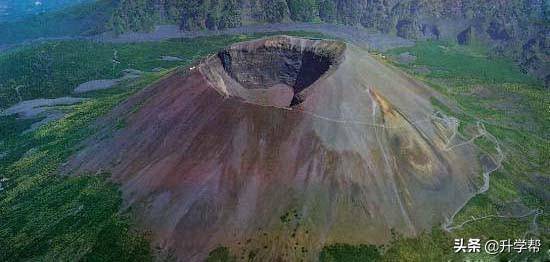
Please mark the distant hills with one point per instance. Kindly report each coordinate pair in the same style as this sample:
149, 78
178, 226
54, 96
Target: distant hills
514, 28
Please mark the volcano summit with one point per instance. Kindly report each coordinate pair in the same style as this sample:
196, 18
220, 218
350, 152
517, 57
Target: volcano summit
280, 146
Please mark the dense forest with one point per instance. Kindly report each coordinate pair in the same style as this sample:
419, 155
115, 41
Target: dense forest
220, 14
384, 15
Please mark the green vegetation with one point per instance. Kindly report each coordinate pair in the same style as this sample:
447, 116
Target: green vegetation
133, 15
220, 254
83, 19
464, 65
49, 217
289, 216
303, 10
192, 15
327, 11
274, 11
142, 15
14, 126
428, 246
349, 253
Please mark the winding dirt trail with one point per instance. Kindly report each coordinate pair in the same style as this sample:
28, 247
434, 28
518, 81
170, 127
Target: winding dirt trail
482, 132
534, 225
535, 213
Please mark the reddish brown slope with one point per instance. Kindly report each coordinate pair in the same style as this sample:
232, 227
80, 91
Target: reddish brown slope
280, 146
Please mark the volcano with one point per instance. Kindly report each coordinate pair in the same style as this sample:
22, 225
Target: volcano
279, 146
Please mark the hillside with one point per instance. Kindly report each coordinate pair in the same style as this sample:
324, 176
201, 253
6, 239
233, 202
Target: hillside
516, 28
88, 18
321, 144
48, 216
11, 10
274, 130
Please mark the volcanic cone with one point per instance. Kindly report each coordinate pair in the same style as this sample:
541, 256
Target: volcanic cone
280, 146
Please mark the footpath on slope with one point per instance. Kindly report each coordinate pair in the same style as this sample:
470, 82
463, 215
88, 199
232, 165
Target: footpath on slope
482, 132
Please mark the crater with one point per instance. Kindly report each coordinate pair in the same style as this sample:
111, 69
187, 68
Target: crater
276, 70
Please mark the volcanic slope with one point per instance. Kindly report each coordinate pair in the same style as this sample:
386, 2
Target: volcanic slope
276, 147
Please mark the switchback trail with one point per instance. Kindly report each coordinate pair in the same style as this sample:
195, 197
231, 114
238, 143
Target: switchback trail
482, 132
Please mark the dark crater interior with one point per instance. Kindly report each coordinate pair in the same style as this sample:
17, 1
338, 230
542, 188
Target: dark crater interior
266, 66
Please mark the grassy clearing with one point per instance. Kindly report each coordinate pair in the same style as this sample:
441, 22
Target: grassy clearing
221, 254
465, 64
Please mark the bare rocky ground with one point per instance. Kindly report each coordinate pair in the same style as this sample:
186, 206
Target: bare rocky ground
405, 58
95, 85
32, 108
106, 83
50, 117
46, 108
171, 58
40, 108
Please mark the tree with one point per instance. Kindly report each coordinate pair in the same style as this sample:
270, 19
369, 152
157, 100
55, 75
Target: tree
327, 11
303, 10
133, 15
193, 15
348, 11
274, 10
231, 15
